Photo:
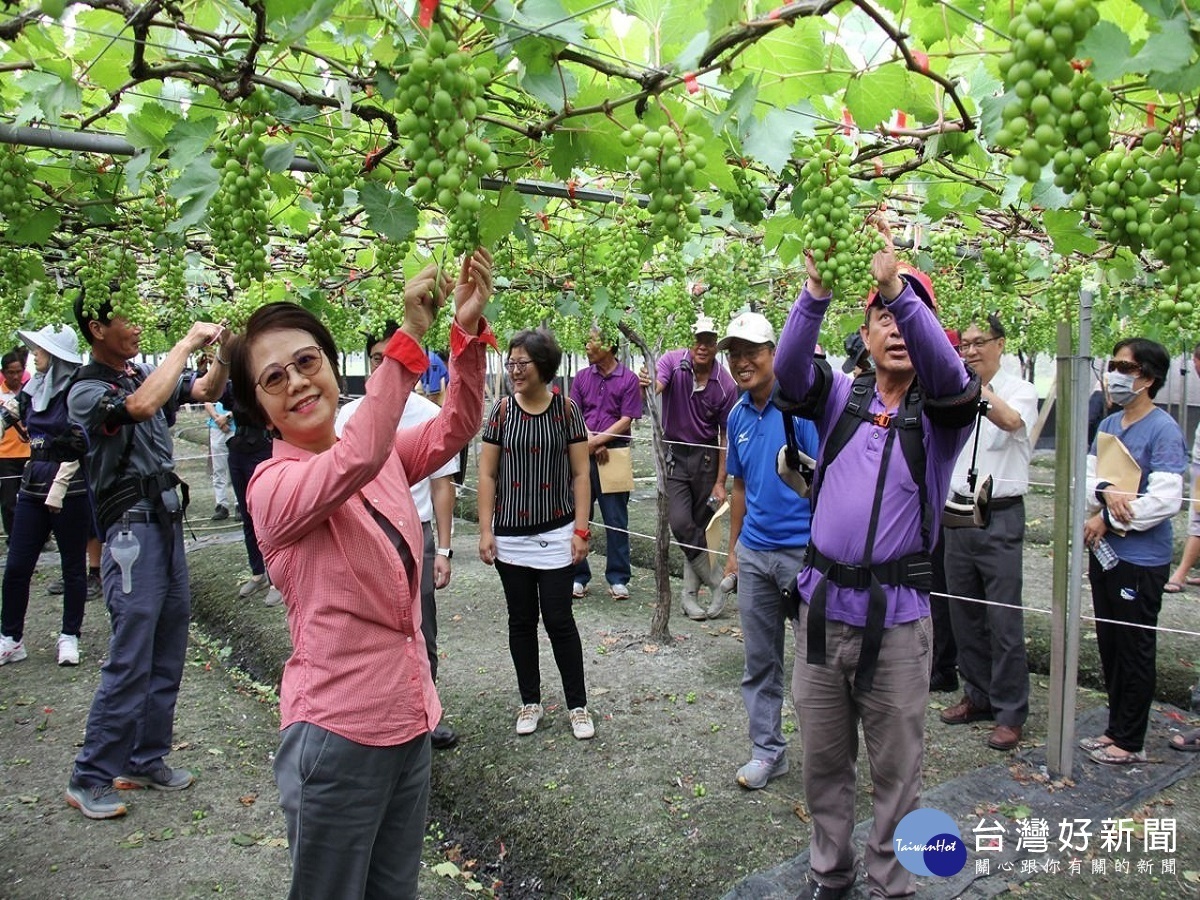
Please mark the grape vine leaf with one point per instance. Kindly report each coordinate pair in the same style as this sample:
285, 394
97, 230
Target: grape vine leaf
278, 157
188, 139
147, 128
555, 86
721, 14
771, 138
1166, 50
1068, 233
36, 229
497, 220
289, 20
389, 212
1108, 48
547, 17
194, 188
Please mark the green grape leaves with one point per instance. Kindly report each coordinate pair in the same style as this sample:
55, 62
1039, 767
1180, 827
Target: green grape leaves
389, 212
1068, 232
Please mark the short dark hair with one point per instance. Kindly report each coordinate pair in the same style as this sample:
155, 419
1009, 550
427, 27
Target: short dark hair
1151, 356
103, 313
9, 358
542, 348
281, 316
390, 327
989, 320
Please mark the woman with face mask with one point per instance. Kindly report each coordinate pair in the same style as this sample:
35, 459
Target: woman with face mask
1137, 528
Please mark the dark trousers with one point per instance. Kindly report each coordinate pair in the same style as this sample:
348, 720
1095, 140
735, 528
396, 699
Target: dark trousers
527, 591
241, 468
428, 601
130, 725
1127, 655
355, 814
33, 523
986, 563
945, 651
691, 474
614, 508
10, 486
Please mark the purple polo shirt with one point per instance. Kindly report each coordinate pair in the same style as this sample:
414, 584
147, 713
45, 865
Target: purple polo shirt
692, 416
605, 398
847, 493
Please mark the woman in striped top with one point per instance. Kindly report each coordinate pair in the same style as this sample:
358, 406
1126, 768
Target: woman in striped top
533, 507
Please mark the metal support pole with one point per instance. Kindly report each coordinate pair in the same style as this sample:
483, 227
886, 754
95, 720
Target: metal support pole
1070, 474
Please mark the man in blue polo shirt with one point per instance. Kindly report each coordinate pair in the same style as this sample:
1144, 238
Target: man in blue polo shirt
768, 531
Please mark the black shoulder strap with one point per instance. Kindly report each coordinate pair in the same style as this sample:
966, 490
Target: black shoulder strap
907, 423
105, 375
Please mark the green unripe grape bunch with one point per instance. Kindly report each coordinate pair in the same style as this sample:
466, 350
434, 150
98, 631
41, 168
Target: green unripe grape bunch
666, 162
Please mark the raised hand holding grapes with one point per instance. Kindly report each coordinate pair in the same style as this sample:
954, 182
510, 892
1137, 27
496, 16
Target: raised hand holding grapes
885, 269
473, 290
423, 297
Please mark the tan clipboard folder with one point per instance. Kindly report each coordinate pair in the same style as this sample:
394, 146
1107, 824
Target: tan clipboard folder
616, 475
1115, 465
714, 536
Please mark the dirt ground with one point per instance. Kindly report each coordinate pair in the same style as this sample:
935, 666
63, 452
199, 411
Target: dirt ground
649, 808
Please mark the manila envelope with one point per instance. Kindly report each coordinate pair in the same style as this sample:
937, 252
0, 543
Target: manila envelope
616, 475
714, 536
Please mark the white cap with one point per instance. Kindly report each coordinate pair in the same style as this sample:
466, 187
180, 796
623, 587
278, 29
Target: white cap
748, 326
63, 343
704, 325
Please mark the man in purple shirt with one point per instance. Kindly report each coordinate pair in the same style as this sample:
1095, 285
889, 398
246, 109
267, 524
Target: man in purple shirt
863, 637
697, 395
610, 398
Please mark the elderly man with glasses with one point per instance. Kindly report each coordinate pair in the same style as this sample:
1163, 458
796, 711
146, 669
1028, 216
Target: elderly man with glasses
984, 563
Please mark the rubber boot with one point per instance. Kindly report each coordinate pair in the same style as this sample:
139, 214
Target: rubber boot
712, 578
691, 586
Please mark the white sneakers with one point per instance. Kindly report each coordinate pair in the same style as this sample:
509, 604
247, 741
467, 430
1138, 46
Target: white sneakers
528, 718
581, 721
578, 589
581, 724
11, 651
68, 650
14, 651
619, 591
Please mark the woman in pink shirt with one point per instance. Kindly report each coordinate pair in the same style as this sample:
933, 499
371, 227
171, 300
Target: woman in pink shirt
343, 542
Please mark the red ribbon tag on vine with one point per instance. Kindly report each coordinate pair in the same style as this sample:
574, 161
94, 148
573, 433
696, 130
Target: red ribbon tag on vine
1150, 108
847, 122
428, 8
693, 86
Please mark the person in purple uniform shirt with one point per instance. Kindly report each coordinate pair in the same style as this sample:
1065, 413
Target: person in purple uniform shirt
610, 398
697, 396
864, 637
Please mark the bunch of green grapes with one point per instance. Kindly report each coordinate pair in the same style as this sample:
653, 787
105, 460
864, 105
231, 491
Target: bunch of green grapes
1175, 222
1085, 130
110, 272
837, 235
1002, 260
1121, 196
748, 201
238, 212
20, 270
16, 176
444, 95
582, 262
666, 164
943, 250
625, 250
325, 250
1038, 74
1062, 295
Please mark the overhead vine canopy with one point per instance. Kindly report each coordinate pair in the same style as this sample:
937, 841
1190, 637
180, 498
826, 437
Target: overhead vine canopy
210, 156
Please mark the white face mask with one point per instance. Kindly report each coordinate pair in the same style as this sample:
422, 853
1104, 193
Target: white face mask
1120, 388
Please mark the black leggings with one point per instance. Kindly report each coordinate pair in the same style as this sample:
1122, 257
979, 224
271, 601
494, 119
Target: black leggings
548, 590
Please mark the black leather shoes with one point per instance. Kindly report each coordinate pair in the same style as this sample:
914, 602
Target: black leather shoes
825, 892
443, 737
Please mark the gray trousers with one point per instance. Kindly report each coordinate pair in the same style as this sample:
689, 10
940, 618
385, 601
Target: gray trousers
764, 576
691, 474
893, 725
355, 814
986, 563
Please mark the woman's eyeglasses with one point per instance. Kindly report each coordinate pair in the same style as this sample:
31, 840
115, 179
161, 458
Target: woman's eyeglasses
1124, 366
518, 365
307, 361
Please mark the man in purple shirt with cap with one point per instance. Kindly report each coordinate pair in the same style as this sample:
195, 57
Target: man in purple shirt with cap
863, 637
697, 395
610, 398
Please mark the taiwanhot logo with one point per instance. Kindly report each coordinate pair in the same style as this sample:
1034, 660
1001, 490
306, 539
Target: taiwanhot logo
927, 842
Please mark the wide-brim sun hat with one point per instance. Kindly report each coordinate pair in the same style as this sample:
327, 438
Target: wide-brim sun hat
62, 343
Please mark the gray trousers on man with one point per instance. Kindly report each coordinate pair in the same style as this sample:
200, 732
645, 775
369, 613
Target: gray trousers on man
691, 474
764, 577
355, 814
986, 563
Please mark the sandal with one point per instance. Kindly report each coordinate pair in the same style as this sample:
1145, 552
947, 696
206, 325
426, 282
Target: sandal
1193, 580
1172, 587
1104, 757
1095, 743
1186, 741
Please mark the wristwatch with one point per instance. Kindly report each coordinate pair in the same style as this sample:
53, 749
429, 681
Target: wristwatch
583, 534
447, 552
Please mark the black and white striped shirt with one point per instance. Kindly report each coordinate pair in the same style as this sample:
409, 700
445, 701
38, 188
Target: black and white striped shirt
533, 486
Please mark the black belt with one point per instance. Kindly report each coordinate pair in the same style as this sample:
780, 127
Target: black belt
997, 504
914, 571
